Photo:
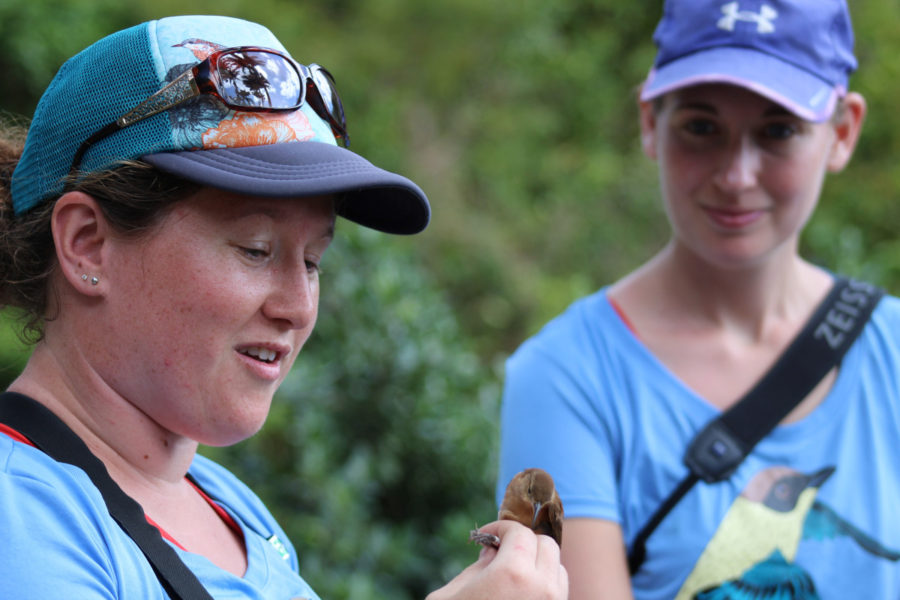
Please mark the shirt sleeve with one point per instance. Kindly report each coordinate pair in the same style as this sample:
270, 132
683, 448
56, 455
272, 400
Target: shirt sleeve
553, 417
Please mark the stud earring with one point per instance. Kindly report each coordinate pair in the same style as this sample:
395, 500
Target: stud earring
95, 280
84, 277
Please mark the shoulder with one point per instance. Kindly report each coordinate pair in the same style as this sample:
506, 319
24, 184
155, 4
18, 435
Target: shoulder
586, 323
884, 323
879, 341
582, 365
888, 308
61, 497
59, 539
25, 470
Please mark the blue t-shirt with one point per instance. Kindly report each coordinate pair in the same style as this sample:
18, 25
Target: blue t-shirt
59, 541
813, 509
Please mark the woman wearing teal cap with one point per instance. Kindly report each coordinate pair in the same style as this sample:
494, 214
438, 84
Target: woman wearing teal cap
745, 112
162, 229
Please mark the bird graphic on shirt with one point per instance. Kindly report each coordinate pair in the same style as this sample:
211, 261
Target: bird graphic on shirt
824, 523
773, 578
752, 553
530, 499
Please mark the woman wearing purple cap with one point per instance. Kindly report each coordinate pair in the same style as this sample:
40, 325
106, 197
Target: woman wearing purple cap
745, 111
163, 223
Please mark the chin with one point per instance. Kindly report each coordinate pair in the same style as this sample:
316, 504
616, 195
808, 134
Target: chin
220, 439
234, 429
738, 254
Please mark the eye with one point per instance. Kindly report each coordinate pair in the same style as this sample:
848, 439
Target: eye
700, 127
313, 267
779, 131
254, 253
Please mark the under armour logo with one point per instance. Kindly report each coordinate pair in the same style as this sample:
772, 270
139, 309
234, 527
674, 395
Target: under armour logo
733, 14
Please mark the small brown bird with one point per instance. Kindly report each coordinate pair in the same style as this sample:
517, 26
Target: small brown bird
530, 499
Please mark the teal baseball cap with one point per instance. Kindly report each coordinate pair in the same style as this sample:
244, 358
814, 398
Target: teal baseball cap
210, 125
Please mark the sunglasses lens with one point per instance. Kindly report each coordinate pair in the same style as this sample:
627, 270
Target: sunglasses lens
258, 79
324, 83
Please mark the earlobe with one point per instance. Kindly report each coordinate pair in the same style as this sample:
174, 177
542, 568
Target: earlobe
847, 128
648, 129
79, 234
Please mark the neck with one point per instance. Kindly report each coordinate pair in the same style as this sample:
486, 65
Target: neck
748, 301
138, 452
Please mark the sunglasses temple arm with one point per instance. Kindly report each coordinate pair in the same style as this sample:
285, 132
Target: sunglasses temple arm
182, 88
99, 135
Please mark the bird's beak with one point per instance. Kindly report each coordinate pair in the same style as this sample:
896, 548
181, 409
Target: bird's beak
537, 509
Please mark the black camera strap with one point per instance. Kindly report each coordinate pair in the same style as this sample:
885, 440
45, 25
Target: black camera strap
49, 434
715, 452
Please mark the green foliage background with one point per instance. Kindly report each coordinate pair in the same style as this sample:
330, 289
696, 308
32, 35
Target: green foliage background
519, 121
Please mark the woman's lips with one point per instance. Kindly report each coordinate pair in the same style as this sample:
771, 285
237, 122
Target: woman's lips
264, 361
733, 219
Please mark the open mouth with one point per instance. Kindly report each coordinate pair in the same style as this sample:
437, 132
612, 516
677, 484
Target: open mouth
261, 354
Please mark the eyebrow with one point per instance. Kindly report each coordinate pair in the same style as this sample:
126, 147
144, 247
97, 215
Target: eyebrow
252, 210
778, 111
773, 110
277, 214
696, 105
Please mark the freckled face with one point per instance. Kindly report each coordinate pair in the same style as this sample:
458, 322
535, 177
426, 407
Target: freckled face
209, 311
740, 175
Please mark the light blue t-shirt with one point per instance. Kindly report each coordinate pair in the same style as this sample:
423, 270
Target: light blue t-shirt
813, 512
59, 541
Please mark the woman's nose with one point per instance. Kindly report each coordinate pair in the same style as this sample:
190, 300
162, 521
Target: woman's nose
294, 297
739, 166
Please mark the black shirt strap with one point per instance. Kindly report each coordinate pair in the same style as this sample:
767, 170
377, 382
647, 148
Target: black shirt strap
48, 433
718, 449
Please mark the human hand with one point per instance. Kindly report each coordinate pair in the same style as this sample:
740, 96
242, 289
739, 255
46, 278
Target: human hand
525, 566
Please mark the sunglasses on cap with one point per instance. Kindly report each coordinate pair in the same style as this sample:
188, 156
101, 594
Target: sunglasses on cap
247, 79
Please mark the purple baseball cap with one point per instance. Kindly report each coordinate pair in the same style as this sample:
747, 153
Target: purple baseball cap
283, 154
798, 53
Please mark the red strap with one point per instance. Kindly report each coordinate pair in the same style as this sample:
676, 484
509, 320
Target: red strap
14, 434
223, 514
163, 532
622, 315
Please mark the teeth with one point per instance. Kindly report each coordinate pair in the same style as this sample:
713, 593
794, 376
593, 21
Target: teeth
261, 353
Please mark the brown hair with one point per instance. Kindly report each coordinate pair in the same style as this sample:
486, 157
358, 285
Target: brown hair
134, 196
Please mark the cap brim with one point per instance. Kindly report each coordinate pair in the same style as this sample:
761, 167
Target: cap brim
372, 196
798, 90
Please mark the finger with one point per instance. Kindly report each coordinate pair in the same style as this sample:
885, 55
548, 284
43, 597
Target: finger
503, 527
548, 566
563, 581
547, 553
517, 542
487, 554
